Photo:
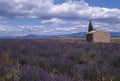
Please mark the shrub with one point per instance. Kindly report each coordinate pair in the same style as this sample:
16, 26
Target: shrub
9, 70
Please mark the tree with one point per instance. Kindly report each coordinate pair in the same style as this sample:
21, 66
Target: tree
90, 27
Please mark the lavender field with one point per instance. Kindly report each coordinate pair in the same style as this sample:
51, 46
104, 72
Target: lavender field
52, 60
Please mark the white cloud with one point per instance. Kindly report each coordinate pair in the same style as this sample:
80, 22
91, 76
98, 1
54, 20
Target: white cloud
107, 26
21, 30
70, 27
73, 15
46, 9
53, 21
3, 22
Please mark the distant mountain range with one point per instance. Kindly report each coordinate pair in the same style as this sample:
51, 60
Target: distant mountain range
74, 35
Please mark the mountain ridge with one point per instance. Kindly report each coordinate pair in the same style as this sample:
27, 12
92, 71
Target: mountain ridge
73, 35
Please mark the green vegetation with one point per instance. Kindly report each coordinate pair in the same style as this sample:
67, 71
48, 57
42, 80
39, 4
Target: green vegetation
90, 27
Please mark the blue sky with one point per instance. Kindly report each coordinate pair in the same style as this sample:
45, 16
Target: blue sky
104, 3
53, 17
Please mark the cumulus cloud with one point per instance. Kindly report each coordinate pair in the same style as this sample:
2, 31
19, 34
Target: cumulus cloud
70, 27
25, 8
54, 21
46, 9
56, 14
7, 30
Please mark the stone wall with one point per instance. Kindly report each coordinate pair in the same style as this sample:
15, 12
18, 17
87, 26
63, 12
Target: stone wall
98, 36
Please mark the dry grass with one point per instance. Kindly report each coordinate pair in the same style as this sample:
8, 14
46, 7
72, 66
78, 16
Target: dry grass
81, 40
72, 40
115, 40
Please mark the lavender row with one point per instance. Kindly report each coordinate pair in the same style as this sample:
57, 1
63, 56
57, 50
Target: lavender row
52, 60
